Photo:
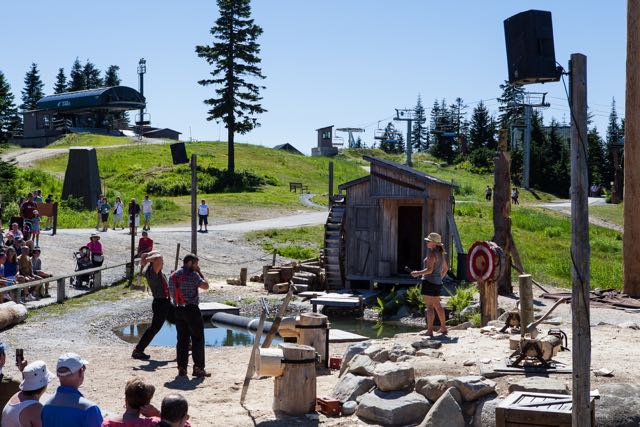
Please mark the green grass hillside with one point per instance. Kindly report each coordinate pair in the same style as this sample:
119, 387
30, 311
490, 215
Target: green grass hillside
91, 140
126, 171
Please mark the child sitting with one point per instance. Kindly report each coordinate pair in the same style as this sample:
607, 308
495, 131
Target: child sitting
26, 271
36, 265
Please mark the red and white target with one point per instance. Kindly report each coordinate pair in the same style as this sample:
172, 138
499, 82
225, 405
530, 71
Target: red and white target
485, 261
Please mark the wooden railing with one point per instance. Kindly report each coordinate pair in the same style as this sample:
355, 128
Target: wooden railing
61, 281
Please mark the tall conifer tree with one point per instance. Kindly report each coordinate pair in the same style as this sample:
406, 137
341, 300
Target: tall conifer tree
111, 76
61, 82
76, 77
10, 123
613, 137
234, 55
33, 89
92, 77
419, 133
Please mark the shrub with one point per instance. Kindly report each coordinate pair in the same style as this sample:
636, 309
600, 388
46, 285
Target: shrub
482, 160
461, 299
414, 299
553, 231
73, 203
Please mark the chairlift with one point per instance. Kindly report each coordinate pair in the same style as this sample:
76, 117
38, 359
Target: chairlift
338, 140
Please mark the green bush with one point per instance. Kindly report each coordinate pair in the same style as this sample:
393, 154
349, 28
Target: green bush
461, 299
414, 299
73, 203
553, 231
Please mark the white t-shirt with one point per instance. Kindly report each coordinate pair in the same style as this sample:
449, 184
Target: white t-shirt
203, 209
146, 206
118, 208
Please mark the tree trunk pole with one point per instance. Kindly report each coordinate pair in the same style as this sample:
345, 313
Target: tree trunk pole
502, 209
330, 184
631, 240
580, 251
231, 157
194, 205
409, 148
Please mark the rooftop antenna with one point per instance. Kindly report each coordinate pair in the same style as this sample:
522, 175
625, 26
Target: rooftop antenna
407, 115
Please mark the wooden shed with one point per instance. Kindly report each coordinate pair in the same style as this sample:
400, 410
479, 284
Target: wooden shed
380, 221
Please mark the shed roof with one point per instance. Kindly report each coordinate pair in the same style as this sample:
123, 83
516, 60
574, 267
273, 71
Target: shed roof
288, 147
110, 98
354, 182
409, 170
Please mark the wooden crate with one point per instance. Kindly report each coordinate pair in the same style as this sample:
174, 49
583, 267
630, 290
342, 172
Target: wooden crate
521, 409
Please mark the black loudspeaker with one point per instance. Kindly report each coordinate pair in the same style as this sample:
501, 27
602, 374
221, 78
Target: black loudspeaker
179, 153
531, 56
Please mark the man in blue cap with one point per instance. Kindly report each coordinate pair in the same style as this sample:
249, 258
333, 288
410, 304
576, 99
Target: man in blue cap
8, 386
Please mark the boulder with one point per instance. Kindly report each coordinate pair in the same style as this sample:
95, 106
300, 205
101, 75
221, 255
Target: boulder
12, 314
393, 408
350, 352
377, 353
349, 408
399, 350
390, 376
473, 387
405, 358
618, 406
445, 412
461, 327
361, 365
470, 310
540, 385
432, 387
486, 412
429, 353
350, 386
426, 343
621, 390
403, 311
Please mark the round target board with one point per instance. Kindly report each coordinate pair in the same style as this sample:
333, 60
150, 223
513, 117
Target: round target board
485, 261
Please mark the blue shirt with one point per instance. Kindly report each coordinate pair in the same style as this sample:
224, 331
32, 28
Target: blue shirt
69, 408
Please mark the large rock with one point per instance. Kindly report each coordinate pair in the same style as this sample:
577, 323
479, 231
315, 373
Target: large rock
351, 352
393, 408
432, 387
429, 352
486, 412
540, 385
426, 343
446, 411
391, 376
619, 405
362, 365
377, 353
350, 386
398, 350
473, 387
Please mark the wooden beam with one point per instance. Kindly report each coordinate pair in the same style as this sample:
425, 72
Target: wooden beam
502, 209
456, 234
580, 251
631, 239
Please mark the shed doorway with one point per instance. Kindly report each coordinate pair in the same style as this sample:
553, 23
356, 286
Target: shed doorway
410, 237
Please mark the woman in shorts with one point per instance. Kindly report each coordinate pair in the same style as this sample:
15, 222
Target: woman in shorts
435, 268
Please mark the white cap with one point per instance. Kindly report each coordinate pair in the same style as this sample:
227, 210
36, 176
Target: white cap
35, 376
72, 362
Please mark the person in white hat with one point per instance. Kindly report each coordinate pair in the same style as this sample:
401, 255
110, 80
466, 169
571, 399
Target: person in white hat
435, 268
24, 408
68, 407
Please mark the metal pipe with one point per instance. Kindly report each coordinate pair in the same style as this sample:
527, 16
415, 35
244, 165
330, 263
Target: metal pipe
241, 323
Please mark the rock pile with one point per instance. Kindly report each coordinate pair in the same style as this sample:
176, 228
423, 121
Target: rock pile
307, 275
378, 377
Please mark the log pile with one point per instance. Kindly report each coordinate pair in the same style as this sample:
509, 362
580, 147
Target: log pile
306, 275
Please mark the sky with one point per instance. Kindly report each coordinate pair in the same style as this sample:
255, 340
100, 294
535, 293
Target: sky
347, 63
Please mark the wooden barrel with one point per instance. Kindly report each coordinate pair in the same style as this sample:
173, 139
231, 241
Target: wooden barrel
294, 392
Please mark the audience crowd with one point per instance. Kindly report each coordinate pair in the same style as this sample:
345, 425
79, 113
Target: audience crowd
66, 406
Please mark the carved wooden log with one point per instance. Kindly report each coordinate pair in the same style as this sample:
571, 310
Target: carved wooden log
294, 392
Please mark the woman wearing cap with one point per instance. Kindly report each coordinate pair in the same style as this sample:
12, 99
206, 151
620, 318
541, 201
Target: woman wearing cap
24, 408
435, 269
94, 245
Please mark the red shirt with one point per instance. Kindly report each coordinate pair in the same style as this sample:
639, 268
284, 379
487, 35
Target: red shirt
145, 244
27, 208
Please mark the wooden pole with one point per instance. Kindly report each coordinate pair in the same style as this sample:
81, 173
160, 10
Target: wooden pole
133, 250
488, 301
580, 250
175, 267
330, 183
631, 239
502, 209
194, 205
55, 219
276, 322
525, 291
254, 353
243, 276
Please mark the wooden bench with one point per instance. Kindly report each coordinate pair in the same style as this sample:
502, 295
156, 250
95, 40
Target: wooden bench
294, 186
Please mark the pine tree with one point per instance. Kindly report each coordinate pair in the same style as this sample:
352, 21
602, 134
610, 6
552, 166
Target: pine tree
613, 137
92, 77
596, 156
10, 123
61, 82
33, 89
419, 133
400, 146
359, 143
509, 108
234, 55
460, 124
389, 138
482, 128
111, 77
76, 77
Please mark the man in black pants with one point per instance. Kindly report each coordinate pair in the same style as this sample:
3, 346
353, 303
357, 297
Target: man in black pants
183, 288
161, 306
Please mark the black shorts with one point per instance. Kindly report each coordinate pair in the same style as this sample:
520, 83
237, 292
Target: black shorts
105, 217
203, 219
431, 289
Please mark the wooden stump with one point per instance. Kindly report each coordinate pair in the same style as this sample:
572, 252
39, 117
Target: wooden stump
286, 273
488, 301
294, 393
526, 304
243, 276
312, 330
280, 288
272, 277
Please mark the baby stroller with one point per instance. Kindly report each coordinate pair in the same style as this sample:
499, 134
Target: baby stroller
83, 262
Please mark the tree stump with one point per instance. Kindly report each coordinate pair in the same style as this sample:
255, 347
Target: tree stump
286, 273
488, 301
243, 276
294, 393
312, 330
271, 278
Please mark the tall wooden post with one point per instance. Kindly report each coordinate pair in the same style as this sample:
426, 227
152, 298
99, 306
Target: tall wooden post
488, 301
330, 183
194, 206
502, 209
631, 239
580, 250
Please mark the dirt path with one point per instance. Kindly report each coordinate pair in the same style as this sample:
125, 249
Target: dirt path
564, 207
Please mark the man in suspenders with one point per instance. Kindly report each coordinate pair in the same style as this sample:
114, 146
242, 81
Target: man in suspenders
183, 288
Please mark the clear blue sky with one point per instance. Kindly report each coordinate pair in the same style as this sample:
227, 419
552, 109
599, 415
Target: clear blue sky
346, 63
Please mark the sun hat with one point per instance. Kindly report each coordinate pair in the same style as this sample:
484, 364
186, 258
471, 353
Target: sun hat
435, 238
70, 361
35, 376
95, 235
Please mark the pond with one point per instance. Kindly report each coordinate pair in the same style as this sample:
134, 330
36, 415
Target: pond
223, 337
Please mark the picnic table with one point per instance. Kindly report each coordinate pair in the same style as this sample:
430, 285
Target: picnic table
294, 186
